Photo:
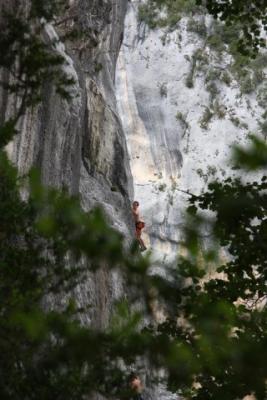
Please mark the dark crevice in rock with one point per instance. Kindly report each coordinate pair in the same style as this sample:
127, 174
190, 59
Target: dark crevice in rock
119, 174
4, 97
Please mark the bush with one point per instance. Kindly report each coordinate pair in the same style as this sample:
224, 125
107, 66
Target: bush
235, 121
213, 90
164, 39
240, 65
260, 62
189, 81
215, 42
151, 13
162, 187
206, 118
148, 15
212, 74
197, 26
250, 82
219, 109
163, 90
211, 170
263, 127
258, 77
180, 6
247, 85
198, 56
262, 96
228, 33
182, 118
226, 78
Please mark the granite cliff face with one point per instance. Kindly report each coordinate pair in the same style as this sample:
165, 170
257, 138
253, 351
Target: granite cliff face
183, 105
79, 144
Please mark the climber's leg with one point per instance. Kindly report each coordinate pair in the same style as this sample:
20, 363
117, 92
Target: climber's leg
138, 233
142, 244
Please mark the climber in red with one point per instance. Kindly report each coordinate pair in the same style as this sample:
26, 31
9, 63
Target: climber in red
139, 225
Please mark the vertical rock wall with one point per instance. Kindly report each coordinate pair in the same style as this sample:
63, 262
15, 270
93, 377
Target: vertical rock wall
181, 109
79, 144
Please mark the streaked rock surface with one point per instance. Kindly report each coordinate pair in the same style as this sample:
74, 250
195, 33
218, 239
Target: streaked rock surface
170, 155
80, 144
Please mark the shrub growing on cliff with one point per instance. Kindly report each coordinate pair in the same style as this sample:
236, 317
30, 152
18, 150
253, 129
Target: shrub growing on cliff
206, 118
263, 127
197, 26
163, 89
151, 14
248, 16
147, 15
183, 121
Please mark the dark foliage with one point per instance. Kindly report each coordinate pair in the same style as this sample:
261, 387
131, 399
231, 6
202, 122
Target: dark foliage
213, 342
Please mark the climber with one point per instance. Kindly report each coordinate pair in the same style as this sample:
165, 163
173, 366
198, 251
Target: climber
139, 393
139, 225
